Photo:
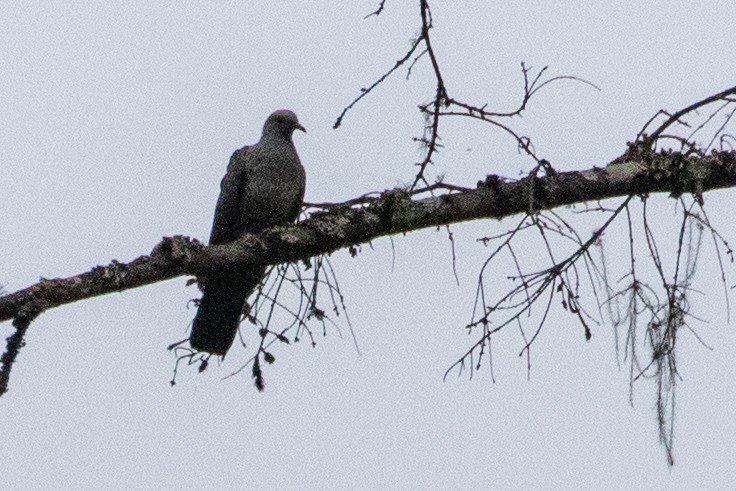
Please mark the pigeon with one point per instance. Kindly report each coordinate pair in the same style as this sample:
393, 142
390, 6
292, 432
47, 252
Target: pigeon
262, 188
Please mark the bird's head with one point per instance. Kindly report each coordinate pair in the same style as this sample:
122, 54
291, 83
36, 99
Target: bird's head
282, 122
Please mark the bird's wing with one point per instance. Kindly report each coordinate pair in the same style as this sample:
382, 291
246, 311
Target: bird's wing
225, 226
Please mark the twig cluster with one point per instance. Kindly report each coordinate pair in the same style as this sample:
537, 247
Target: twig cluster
282, 311
660, 306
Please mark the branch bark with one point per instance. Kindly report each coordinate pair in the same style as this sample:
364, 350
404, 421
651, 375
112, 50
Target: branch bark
395, 212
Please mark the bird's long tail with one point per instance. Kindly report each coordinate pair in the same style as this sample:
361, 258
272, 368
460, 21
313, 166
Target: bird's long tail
218, 316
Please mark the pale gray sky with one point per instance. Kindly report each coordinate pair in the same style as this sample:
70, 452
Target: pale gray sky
115, 128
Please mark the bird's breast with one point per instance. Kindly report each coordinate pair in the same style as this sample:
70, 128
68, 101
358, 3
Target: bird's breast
271, 195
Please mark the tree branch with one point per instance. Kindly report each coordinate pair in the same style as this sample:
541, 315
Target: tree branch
394, 212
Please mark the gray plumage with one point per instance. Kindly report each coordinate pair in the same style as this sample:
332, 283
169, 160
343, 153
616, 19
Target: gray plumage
263, 187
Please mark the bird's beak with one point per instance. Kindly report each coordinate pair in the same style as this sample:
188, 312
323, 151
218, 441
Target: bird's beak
300, 127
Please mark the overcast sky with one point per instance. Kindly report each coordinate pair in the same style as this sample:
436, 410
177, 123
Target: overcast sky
116, 125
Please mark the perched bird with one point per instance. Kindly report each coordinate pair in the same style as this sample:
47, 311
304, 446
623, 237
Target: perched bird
263, 187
